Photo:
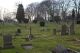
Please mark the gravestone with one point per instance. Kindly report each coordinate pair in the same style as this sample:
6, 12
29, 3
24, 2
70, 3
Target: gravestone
7, 41
64, 30
1, 34
18, 32
42, 23
54, 31
17, 52
0, 49
59, 49
72, 32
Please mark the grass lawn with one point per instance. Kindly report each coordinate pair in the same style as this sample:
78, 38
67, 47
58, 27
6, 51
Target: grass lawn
43, 42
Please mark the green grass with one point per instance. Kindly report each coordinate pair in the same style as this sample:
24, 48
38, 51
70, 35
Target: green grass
44, 42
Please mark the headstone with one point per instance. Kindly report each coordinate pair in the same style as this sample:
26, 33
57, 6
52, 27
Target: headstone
17, 52
1, 34
59, 49
0, 49
54, 31
72, 32
42, 23
64, 30
7, 41
18, 32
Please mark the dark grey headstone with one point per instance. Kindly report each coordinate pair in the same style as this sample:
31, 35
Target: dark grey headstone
7, 41
72, 32
17, 52
18, 32
1, 34
64, 30
54, 31
0, 49
59, 49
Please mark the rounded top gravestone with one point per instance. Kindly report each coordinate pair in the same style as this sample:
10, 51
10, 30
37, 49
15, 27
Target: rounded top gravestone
59, 49
42, 23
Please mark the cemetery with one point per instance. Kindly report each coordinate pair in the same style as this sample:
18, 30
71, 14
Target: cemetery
42, 41
50, 26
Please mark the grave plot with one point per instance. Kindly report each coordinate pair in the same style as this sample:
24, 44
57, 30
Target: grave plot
27, 46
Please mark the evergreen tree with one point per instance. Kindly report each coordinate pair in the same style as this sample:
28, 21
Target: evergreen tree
20, 14
73, 14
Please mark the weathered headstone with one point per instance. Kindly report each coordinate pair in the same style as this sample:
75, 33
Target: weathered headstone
64, 30
59, 49
42, 23
72, 32
7, 41
18, 32
54, 31
1, 34
0, 49
17, 52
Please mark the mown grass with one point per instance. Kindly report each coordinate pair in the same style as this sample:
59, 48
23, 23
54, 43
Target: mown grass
43, 41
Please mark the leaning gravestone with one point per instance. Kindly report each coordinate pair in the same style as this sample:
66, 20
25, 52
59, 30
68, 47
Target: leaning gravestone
7, 42
72, 32
64, 30
59, 49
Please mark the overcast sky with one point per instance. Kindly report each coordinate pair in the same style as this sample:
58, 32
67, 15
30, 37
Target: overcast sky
11, 4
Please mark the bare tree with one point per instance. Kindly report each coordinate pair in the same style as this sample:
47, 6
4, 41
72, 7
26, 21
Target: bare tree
64, 6
31, 10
